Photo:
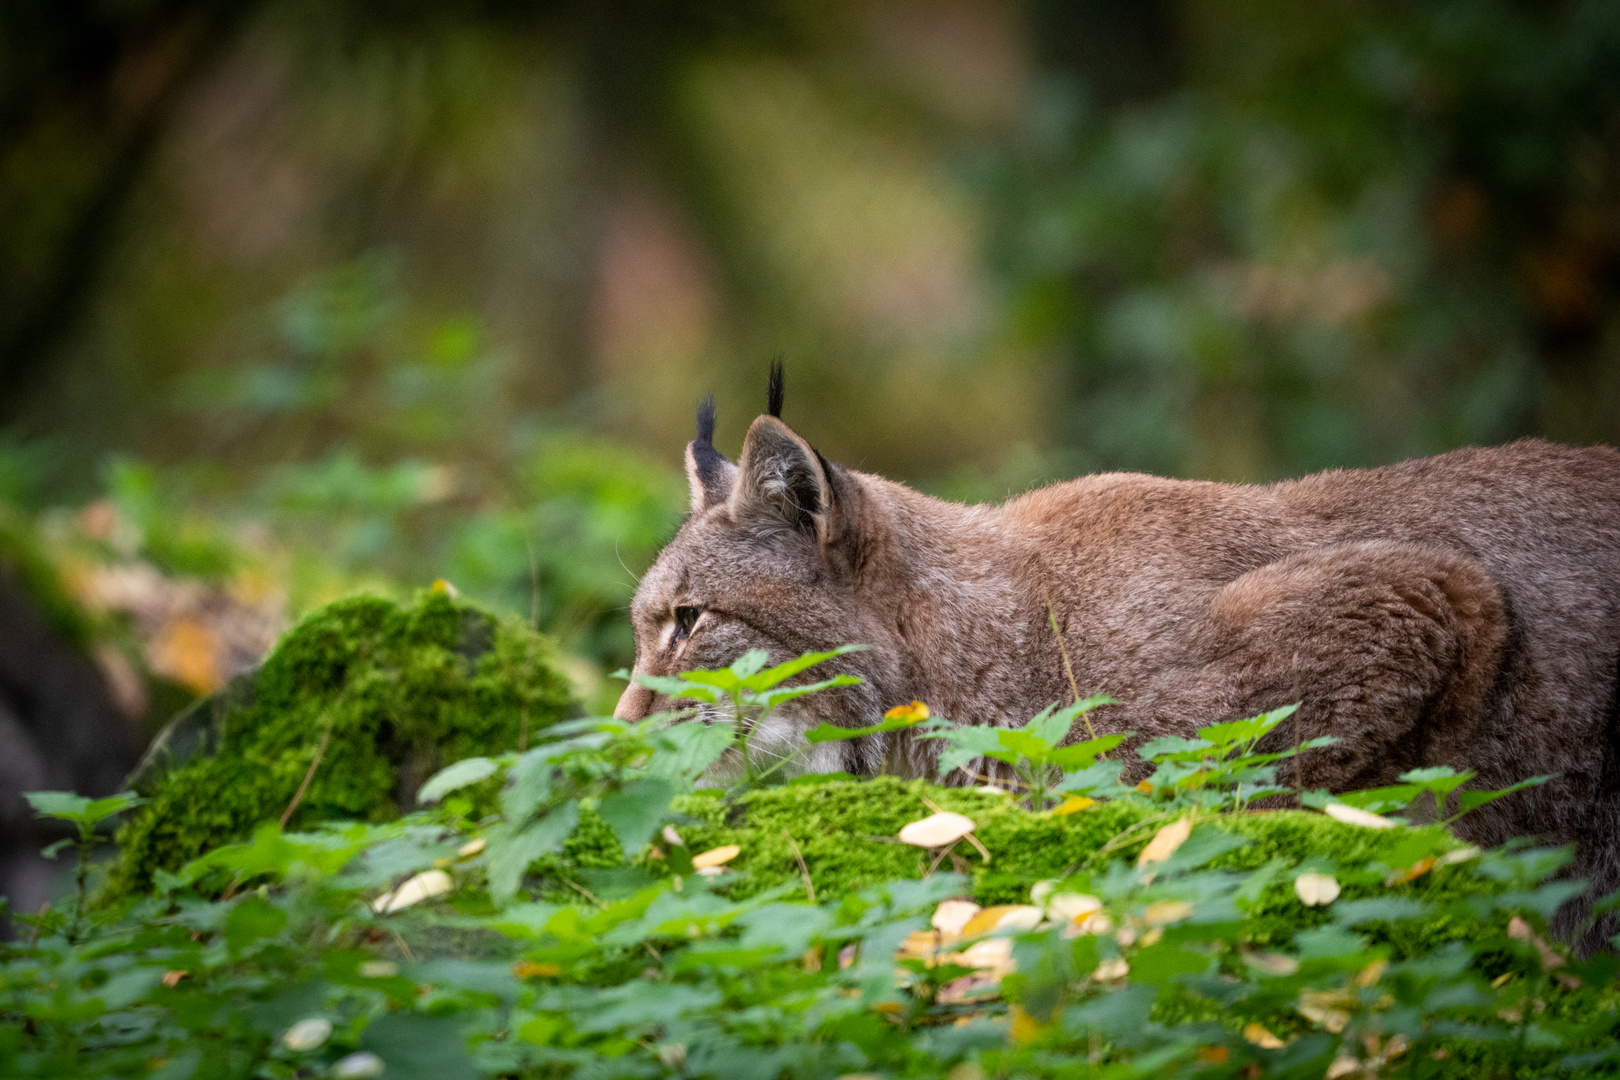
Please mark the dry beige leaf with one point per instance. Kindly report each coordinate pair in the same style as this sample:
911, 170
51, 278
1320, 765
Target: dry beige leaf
936, 830
1261, 1037
470, 848
1341, 1066
1325, 1007
1352, 816
1457, 855
1271, 963
1165, 842
952, 915
715, 857
1165, 912
427, 884
672, 838
1521, 931
1003, 917
992, 956
1071, 907
1315, 890
1116, 968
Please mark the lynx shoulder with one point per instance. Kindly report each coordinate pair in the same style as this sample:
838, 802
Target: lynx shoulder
1457, 610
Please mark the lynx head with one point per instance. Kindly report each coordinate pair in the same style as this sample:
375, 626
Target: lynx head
770, 558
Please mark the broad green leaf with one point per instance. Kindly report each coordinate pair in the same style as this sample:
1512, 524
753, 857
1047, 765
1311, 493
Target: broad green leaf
1171, 748
1051, 725
455, 777
831, 733
770, 677
687, 748
1246, 730
772, 698
63, 805
1441, 779
635, 810
1082, 755
250, 920
683, 688
509, 851
417, 1046
1472, 800
1023, 744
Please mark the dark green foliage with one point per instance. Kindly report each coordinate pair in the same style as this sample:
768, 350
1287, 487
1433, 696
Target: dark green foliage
392, 692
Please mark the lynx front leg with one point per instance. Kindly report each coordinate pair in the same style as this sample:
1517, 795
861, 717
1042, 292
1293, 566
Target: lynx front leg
1392, 648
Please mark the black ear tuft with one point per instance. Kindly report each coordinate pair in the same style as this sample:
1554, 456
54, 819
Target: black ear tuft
705, 421
774, 390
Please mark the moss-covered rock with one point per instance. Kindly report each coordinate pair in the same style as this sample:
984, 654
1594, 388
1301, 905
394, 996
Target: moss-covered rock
384, 694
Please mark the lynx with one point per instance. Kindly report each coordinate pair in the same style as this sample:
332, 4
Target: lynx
1458, 610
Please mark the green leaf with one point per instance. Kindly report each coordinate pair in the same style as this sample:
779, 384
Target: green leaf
455, 777
635, 810
831, 733
1050, 725
770, 677
511, 851
1171, 748
1472, 800
63, 805
1246, 730
681, 688
772, 698
689, 748
1084, 754
1441, 779
416, 1046
252, 919
1024, 744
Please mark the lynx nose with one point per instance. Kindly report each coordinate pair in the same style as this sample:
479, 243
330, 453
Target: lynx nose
634, 703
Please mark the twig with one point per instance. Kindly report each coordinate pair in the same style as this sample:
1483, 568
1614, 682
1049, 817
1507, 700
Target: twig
1063, 650
404, 948
286, 815
809, 886
586, 893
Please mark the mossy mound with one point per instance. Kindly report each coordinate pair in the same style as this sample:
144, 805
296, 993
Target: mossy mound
385, 694
845, 832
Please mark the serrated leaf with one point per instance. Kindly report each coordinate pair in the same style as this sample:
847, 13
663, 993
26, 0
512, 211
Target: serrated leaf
770, 677
455, 777
509, 852
635, 811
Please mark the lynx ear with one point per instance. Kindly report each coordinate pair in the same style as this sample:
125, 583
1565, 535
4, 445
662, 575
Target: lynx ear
708, 472
782, 480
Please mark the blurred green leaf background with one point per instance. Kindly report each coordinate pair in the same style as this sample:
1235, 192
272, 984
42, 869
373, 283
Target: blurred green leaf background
301, 297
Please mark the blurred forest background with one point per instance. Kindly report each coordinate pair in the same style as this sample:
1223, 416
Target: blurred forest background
304, 296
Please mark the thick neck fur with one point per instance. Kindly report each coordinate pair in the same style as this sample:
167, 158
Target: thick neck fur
956, 589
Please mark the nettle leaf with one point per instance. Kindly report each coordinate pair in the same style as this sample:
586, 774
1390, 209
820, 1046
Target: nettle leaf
1472, 800
1249, 730
1022, 744
686, 749
764, 680
417, 1046
635, 810
1050, 725
1441, 779
772, 698
1172, 748
455, 777
252, 919
511, 850
1084, 754
832, 733
63, 805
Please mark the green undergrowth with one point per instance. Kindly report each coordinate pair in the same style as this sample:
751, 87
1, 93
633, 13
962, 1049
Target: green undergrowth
384, 694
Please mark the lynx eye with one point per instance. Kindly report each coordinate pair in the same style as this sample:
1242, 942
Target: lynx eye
685, 619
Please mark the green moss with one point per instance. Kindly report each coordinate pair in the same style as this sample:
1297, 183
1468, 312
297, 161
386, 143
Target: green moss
845, 832
394, 692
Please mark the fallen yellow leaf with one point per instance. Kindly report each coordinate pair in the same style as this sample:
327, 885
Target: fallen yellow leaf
1264, 1039
914, 713
716, 856
1072, 805
1165, 912
1023, 1027
1165, 842
531, 969
1002, 917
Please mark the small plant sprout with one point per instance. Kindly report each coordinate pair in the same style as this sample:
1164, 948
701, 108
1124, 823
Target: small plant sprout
86, 815
750, 691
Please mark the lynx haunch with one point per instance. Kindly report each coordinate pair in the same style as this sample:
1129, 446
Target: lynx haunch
1458, 610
